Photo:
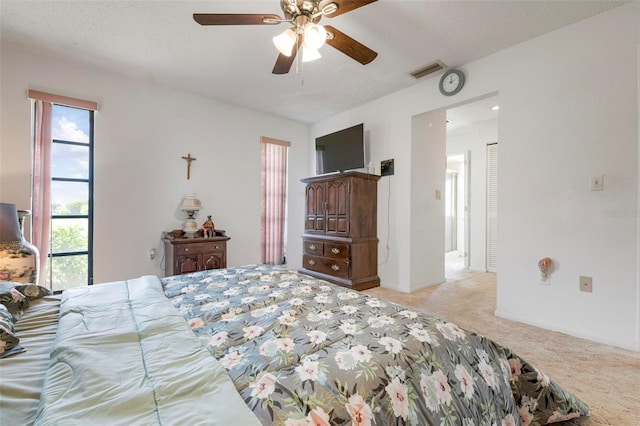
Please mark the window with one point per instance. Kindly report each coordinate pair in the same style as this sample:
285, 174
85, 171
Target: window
274, 201
63, 191
69, 263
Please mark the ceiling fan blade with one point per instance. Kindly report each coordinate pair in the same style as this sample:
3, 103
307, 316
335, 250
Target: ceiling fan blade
344, 6
349, 46
235, 19
283, 63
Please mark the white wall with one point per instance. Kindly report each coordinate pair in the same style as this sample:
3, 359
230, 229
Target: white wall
561, 121
428, 169
141, 132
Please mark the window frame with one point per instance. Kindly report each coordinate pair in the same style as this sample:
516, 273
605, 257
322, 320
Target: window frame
89, 216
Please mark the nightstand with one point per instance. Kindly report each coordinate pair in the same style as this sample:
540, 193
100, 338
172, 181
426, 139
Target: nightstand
184, 255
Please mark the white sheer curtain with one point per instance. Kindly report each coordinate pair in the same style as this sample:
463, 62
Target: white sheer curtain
274, 200
42, 184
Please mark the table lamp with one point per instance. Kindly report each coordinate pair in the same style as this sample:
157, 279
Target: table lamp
190, 205
19, 260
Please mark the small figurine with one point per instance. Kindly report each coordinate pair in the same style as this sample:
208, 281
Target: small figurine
209, 228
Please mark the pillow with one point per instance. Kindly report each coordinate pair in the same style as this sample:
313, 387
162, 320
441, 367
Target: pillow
32, 291
15, 301
8, 340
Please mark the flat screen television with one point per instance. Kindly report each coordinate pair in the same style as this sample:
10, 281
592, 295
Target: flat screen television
340, 151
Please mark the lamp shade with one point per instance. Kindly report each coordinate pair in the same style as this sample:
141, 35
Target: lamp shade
285, 41
314, 36
190, 202
9, 223
309, 54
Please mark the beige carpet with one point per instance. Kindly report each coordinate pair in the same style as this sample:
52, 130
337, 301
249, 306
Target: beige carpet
605, 377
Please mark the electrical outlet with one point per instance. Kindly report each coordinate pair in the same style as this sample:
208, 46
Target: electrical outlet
152, 254
596, 183
586, 284
386, 167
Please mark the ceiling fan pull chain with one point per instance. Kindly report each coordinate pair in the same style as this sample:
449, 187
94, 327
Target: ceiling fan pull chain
297, 51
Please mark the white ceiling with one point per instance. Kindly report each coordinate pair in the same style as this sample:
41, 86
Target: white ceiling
159, 41
463, 118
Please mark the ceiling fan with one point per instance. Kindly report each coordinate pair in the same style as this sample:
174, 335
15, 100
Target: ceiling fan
305, 33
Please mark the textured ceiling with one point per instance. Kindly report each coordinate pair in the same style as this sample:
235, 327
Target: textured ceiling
159, 41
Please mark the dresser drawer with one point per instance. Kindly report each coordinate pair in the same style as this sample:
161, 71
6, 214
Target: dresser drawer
337, 268
336, 251
313, 247
198, 248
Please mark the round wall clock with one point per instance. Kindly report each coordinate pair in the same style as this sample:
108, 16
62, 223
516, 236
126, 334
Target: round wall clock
451, 82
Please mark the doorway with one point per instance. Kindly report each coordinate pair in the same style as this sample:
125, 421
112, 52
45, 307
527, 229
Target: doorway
471, 129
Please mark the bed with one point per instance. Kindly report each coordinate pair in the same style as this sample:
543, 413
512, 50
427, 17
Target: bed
264, 345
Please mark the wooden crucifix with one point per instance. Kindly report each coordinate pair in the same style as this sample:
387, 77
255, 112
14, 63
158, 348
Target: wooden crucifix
189, 159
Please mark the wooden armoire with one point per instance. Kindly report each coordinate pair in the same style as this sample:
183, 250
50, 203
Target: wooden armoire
340, 242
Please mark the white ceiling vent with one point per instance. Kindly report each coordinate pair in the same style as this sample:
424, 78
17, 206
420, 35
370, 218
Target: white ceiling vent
429, 69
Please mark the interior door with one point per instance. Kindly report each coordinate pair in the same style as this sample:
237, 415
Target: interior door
451, 212
467, 209
492, 207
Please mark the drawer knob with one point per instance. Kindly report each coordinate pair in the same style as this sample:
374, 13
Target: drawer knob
312, 262
312, 247
335, 250
335, 267
186, 249
217, 247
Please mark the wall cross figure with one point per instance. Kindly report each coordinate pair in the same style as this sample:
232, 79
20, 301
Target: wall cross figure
189, 159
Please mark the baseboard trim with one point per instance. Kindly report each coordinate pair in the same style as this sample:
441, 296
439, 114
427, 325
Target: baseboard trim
624, 344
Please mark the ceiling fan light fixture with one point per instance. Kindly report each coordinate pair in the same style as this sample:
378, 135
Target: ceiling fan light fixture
285, 41
309, 54
314, 35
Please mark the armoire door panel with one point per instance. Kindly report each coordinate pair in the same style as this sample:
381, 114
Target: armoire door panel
315, 208
338, 207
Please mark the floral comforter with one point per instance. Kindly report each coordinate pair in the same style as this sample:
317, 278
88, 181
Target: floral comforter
303, 351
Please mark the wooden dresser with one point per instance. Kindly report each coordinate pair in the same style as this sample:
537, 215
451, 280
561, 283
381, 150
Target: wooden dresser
184, 255
340, 242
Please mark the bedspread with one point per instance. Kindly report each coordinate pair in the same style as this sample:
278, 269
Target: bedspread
302, 350
124, 356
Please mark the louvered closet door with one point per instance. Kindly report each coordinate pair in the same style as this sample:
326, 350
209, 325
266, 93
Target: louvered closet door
492, 207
